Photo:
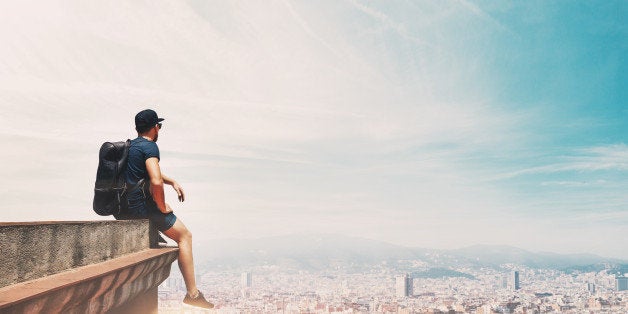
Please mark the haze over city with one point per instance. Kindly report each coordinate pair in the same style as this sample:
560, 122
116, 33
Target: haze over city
423, 124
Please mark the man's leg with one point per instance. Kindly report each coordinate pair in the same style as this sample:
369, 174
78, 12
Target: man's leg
179, 233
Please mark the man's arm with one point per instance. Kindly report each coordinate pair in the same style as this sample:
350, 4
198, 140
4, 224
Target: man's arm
157, 184
175, 186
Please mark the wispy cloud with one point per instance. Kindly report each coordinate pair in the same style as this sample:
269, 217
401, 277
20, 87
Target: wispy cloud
309, 30
477, 11
597, 158
389, 23
572, 183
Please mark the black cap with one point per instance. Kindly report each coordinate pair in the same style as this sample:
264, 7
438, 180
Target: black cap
146, 118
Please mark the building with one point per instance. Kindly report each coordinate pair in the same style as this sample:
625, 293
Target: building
504, 282
176, 283
403, 286
246, 280
621, 283
513, 281
591, 288
245, 284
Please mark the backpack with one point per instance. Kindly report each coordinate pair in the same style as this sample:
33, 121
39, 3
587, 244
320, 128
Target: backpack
110, 190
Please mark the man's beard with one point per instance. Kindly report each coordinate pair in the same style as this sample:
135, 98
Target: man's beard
156, 137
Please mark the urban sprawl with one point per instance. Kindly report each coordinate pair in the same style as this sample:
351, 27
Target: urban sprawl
381, 289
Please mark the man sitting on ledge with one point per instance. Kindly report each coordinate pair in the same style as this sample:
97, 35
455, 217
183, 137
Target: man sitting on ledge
148, 200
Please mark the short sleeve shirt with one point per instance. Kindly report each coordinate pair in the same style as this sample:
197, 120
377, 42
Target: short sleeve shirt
140, 204
140, 150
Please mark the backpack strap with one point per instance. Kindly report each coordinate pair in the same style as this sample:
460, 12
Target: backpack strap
125, 155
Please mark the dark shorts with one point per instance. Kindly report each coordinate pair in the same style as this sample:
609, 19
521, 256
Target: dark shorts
140, 208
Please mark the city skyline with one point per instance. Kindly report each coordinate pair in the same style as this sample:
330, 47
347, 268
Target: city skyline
422, 124
383, 287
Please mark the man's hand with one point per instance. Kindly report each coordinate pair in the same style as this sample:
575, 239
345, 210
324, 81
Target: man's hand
175, 185
179, 190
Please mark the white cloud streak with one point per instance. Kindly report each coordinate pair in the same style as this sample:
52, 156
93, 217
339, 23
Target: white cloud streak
390, 23
476, 10
597, 158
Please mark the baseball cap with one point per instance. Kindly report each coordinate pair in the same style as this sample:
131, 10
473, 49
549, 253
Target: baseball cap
146, 118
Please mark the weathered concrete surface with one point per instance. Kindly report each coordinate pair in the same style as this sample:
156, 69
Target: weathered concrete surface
34, 250
146, 302
120, 285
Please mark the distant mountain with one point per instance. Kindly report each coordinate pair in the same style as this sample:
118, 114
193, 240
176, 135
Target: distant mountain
304, 252
497, 255
440, 273
318, 252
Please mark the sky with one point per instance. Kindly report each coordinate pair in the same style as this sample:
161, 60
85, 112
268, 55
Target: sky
436, 124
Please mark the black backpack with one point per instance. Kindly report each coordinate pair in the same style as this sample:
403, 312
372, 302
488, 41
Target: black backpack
110, 190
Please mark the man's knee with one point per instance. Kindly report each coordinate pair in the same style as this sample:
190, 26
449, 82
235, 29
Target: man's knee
186, 235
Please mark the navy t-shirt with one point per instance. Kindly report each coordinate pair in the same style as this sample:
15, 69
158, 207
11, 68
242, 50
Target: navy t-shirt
141, 203
140, 150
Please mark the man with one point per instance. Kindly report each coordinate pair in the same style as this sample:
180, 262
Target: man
148, 201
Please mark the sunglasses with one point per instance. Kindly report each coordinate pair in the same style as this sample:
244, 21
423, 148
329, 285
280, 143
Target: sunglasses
159, 125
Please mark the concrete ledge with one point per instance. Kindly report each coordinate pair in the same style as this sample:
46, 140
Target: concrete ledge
32, 250
96, 288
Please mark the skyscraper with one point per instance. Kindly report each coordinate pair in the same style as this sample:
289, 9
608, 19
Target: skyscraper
245, 279
513, 281
403, 286
245, 282
504, 282
621, 283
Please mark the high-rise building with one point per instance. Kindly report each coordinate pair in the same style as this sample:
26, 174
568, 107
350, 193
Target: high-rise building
245, 282
176, 283
621, 283
504, 282
513, 281
591, 287
403, 286
245, 279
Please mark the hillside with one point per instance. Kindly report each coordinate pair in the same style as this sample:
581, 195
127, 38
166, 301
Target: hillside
316, 252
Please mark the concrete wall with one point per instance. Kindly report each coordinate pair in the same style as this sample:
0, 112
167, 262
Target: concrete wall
33, 250
126, 284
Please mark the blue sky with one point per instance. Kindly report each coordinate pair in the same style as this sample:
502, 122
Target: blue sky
433, 124
562, 65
